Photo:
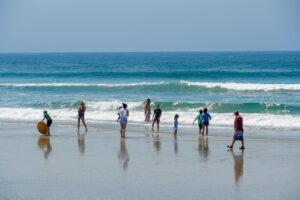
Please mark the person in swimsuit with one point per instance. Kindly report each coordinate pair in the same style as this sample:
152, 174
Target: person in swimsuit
238, 130
147, 109
123, 113
205, 119
156, 117
199, 118
175, 124
81, 111
49, 122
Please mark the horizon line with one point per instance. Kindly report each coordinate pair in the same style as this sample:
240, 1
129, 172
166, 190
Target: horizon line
182, 51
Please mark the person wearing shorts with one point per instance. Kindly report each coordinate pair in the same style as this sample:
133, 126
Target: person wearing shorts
199, 118
156, 117
49, 122
205, 120
238, 131
123, 113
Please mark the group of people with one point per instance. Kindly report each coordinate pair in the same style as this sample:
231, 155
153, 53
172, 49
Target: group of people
202, 118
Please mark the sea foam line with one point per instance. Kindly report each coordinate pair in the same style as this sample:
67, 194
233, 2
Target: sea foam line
243, 86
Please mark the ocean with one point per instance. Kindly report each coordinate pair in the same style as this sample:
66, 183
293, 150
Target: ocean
263, 86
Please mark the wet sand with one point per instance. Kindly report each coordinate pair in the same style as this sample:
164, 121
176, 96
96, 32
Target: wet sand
100, 165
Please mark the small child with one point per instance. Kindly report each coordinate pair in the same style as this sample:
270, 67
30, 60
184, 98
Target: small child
175, 124
49, 121
119, 113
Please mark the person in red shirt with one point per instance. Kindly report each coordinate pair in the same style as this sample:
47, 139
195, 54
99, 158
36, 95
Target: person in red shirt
238, 130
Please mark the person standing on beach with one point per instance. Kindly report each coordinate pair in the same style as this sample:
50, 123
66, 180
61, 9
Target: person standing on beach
147, 109
238, 130
156, 117
205, 118
49, 122
123, 113
81, 111
199, 118
175, 124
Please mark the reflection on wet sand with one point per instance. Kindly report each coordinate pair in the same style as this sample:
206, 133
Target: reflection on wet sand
157, 143
123, 154
81, 143
238, 165
44, 144
203, 147
175, 145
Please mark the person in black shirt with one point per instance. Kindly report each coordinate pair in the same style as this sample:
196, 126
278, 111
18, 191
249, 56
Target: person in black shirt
156, 117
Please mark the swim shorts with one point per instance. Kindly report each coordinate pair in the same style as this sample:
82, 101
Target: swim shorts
238, 135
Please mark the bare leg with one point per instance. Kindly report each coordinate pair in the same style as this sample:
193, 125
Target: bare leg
121, 130
48, 131
78, 124
157, 127
83, 121
206, 130
153, 124
232, 143
124, 129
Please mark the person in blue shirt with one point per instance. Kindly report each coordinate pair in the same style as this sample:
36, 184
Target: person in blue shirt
175, 124
205, 118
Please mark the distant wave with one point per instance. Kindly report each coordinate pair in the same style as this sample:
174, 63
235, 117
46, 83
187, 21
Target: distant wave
78, 84
243, 86
206, 85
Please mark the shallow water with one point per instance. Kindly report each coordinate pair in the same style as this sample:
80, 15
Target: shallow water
99, 165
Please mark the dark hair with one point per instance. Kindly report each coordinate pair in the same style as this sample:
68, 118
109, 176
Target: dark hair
148, 100
236, 113
124, 105
205, 110
200, 111
176, 116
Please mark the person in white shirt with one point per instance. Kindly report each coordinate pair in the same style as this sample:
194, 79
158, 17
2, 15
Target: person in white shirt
123, 113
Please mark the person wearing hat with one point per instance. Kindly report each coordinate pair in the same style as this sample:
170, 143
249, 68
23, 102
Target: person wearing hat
147, 109
238, 130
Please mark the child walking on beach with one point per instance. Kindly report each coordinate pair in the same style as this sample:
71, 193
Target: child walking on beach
238, 130
156, 117
205, 118
147, 109
124, 113
81, 111
49, 122
199, 118
175, 124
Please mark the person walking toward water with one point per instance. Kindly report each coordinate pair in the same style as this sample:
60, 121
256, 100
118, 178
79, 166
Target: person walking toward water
49, 122
199, 118
205, 119
238, 130
175, 124
147, 109
123, 113
81, 111
156, 117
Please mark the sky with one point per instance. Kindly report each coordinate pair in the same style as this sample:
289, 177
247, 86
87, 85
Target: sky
149, 25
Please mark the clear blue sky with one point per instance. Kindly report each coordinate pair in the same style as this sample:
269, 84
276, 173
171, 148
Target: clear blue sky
149, 25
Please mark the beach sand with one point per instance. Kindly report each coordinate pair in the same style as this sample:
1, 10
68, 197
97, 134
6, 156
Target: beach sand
99, 165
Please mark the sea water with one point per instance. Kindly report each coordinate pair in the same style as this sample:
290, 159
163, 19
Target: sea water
263, 86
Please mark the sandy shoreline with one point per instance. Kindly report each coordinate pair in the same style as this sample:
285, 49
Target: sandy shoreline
99, 165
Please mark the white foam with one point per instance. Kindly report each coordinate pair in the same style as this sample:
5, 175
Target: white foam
186, 117
243, 86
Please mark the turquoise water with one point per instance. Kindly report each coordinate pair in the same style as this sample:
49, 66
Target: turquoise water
256, 83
